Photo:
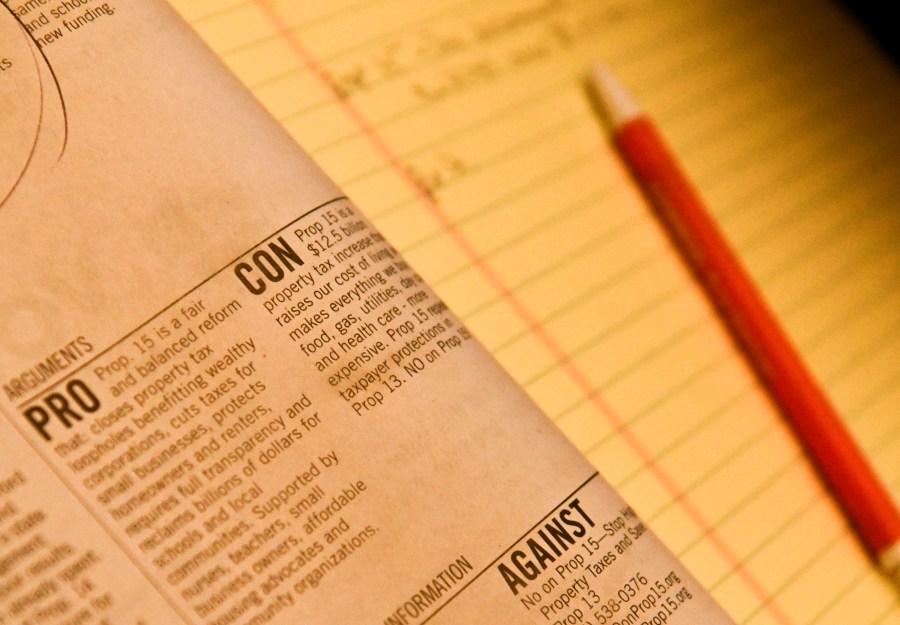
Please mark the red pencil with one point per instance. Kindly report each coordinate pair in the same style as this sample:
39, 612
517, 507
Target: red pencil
866, 503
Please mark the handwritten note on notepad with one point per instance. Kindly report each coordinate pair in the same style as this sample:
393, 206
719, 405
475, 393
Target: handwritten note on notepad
464, 131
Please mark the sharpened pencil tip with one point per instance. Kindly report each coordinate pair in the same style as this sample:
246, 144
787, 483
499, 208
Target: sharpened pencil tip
889, 560
617, 102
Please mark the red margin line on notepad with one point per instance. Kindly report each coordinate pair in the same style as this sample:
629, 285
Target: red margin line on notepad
522, 311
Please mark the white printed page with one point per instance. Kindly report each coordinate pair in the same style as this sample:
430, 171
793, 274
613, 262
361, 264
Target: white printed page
226, 398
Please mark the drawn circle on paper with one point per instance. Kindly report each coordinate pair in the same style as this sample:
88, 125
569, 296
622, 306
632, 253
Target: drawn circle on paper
20, 117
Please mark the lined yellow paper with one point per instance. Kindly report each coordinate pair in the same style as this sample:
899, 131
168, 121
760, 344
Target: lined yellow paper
464, 130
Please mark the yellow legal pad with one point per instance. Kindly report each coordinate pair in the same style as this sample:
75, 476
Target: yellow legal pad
463, 129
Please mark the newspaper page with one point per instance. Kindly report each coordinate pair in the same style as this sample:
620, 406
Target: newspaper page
227, 400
